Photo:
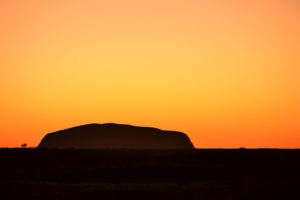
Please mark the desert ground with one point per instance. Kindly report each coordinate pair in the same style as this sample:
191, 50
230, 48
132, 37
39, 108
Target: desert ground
227, 174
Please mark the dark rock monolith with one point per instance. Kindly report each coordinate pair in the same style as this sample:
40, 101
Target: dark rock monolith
116, 136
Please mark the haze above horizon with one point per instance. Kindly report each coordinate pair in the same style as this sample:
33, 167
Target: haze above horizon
227, 73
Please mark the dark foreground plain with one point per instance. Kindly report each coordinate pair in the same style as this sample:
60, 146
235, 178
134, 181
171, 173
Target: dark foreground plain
206, 174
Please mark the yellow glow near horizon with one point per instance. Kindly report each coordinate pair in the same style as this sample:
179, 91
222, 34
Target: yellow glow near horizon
227, 73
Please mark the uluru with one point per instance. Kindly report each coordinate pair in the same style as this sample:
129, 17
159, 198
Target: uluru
115, 136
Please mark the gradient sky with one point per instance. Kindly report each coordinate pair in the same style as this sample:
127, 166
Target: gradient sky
227, 73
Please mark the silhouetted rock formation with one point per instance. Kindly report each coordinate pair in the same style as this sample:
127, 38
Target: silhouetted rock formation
116, 136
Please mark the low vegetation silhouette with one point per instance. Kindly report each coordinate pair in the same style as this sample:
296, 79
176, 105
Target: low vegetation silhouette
207, 174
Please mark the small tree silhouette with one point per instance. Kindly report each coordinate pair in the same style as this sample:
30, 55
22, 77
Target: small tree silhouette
23, 146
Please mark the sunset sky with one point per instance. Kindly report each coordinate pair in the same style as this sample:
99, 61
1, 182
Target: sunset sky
227, 73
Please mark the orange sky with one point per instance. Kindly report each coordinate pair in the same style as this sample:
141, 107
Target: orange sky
227, 73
